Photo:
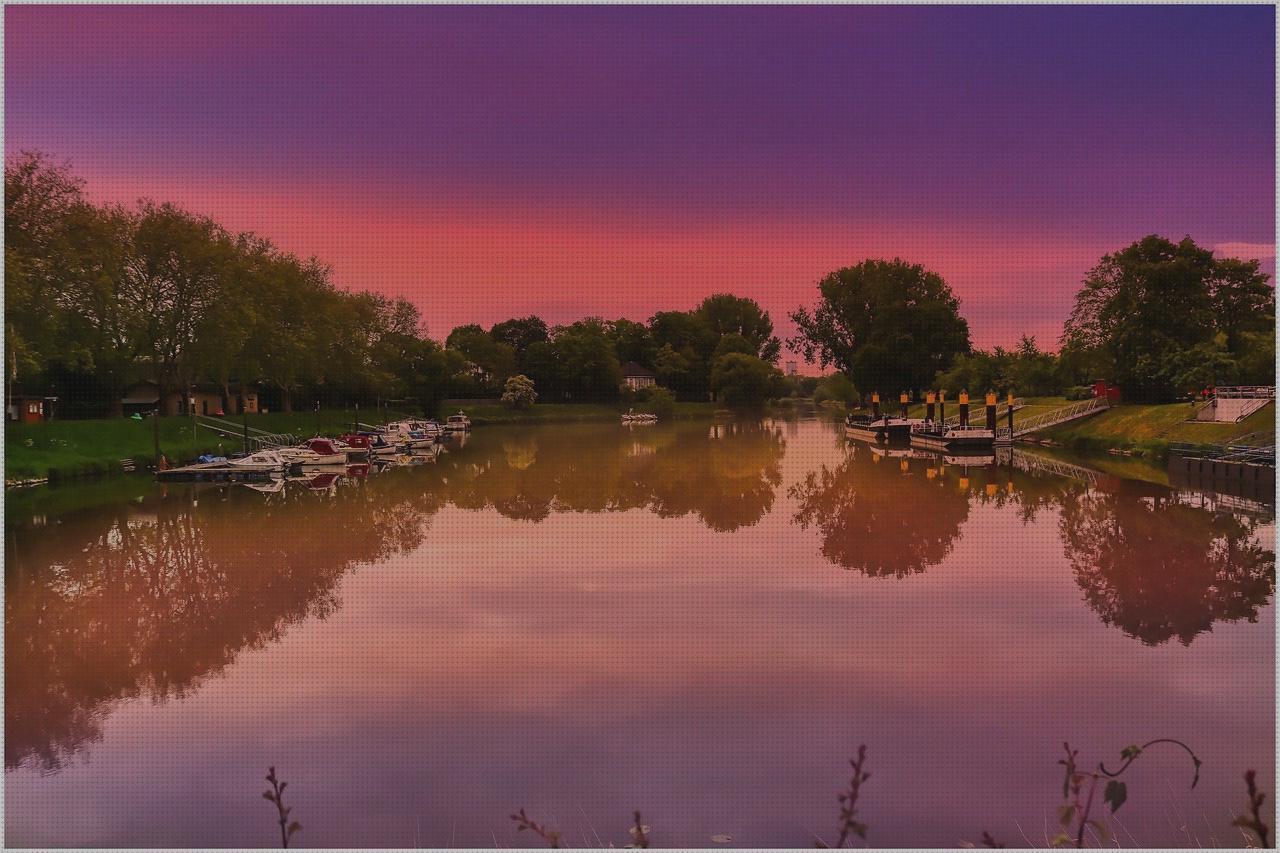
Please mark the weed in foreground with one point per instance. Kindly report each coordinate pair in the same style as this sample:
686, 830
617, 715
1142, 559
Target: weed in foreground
276, 795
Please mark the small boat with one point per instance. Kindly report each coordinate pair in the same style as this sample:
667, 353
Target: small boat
355, 446
263, 460
877, 429
633, 417
379, 444
315, 451
936, 436
458, 423
413, 433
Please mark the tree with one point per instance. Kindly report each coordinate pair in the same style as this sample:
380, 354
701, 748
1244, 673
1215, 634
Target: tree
495, 359
744, 380
726, 314
1149, 312
520, 334
888, 325
688, 336
632, 341
519, 393
588, 368
39, 201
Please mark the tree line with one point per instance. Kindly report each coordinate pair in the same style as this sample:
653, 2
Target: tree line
101, 296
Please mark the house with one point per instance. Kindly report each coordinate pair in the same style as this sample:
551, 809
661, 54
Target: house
1103, 388
635, 376
203, 398
31, 408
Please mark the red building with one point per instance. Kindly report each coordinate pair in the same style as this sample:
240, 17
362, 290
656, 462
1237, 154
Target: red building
1103, 388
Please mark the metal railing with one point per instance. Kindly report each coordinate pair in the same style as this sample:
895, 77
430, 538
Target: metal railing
1084, 408
1252, 392
1001, 412
257, 439
1251, 454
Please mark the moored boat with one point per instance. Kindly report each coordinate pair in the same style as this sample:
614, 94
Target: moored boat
458, 423
935, 436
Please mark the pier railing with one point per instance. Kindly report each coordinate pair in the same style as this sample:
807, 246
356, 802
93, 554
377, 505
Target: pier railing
1082, 409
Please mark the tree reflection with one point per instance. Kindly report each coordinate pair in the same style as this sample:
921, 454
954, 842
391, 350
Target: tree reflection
725, 475
884, 516
1157, 568
150, 598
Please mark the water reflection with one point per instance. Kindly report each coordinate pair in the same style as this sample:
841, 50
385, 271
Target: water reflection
150, 597
725, 475
1159, 568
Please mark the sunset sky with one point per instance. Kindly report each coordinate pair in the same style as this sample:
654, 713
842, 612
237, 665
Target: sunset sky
497, 162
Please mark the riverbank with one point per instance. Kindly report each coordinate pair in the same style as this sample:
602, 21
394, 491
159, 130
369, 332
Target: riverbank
93, 448
1148, 430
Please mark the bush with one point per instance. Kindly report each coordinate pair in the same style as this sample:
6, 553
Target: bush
658, 401
1078, 392
519, 392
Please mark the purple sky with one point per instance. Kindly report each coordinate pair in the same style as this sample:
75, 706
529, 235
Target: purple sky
495, 162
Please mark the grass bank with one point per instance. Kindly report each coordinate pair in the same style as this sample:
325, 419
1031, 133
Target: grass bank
66, 449
1149, 429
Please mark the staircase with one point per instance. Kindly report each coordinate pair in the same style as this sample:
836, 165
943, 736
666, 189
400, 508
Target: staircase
1074, 411
1235, 403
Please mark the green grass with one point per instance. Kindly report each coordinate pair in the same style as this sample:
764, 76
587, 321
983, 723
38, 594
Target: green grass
62, 449
1151, 428
65, 449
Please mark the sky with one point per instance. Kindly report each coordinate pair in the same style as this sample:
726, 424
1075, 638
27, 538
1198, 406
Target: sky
496, 162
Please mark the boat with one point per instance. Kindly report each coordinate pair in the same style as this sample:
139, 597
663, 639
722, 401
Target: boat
413, 433
355, 446
633, 417
938, 436
263, 460
458, 423
379, 444
315, 451
876, 429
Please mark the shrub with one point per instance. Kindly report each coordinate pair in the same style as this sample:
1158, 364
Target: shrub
519, 393
1079, 392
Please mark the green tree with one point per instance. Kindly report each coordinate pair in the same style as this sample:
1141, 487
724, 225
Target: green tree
520, 334
519, 393
496, 359
632, 342
744, 380
888, 325
1146, 312
726, 314
588, 368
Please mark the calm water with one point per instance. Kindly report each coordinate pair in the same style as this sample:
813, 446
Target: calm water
699, 622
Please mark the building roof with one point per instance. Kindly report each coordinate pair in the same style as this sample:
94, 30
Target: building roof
631, 370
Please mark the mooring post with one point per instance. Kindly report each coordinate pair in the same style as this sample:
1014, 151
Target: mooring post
930, 400
964, 409
875, 404
244, 423
942, 408
1010, 415
902, 399
991, 411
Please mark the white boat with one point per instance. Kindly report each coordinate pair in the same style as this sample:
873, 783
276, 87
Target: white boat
633, 417
263, 460
316, 451
458, 423
413, 433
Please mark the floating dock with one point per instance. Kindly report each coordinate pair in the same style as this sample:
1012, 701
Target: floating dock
214, 472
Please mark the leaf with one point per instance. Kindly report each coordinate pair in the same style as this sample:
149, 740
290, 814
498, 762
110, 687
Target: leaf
1131, 751
270, 797
1059, 840
1117, 792
1065, 813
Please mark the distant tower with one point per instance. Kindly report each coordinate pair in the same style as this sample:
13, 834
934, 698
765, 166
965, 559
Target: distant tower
792, 368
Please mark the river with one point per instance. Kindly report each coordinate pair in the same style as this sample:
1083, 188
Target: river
700, 621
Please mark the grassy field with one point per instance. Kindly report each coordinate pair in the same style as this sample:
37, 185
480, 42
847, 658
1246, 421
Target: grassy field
1150, 429
64, 449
